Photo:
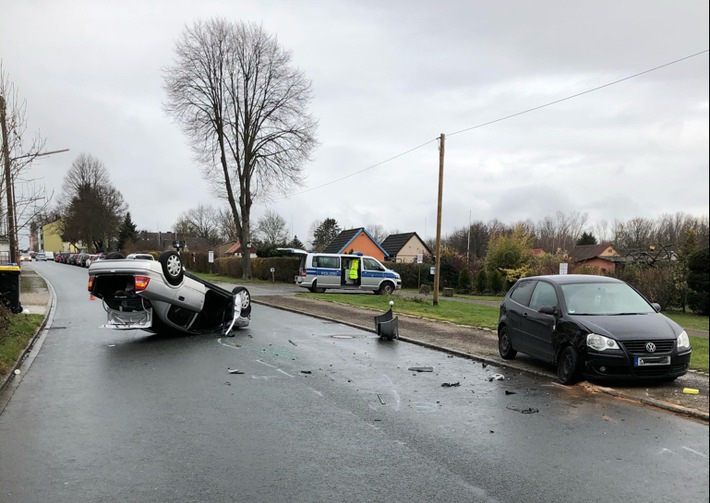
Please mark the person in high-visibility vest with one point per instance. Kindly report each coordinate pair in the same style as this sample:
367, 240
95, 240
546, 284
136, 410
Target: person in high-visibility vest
354, 269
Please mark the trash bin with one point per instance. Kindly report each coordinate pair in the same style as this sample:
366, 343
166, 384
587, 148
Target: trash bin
10, 287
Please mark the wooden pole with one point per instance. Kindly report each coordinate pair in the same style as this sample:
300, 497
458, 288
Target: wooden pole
437, 260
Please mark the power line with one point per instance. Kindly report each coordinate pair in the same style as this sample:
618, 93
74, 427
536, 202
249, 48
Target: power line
579, 94
478, 126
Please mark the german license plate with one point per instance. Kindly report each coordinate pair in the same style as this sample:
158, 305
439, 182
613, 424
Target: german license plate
652, 360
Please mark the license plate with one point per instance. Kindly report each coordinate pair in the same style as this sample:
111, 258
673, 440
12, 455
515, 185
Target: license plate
652, 360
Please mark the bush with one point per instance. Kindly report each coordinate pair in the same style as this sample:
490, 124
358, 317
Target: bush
699, 282
481, 281
465, 281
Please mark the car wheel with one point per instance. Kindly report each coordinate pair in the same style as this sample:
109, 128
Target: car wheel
567, 365
386, 288
315, 288
245, 301
172, 267
505, 347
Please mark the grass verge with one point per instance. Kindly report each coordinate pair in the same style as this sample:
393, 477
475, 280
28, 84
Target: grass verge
21, 329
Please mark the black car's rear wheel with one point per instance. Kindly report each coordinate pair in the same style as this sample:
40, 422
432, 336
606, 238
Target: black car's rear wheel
505, 347
568, 365
172, 267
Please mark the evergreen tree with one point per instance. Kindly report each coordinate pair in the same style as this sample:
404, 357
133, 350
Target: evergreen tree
127, 233
586, 239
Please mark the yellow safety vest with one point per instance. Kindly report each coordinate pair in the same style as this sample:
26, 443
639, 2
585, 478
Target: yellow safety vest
354, 268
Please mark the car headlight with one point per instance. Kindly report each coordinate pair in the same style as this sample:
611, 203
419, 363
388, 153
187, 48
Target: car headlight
683, 341
600, 343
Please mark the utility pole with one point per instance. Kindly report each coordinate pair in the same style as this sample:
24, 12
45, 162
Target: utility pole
437, 262
12, 237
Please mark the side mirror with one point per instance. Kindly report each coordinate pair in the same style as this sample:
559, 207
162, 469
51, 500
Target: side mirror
656, 306
548, 310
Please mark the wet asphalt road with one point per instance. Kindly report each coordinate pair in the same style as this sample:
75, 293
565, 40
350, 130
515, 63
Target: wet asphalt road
322, 412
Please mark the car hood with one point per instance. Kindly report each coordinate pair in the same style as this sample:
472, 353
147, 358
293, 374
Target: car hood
632, 327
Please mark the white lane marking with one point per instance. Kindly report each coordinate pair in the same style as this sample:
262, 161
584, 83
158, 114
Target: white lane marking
694, 452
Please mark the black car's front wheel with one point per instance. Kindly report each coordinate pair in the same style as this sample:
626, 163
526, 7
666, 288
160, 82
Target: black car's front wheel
568, 365
505, 347
172, 267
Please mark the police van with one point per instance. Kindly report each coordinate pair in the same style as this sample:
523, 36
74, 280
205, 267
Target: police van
344, 271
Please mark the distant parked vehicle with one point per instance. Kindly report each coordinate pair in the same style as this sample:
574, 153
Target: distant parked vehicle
93, 258
41, 257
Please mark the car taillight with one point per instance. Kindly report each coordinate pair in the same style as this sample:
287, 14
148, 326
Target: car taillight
141, 283
91, 282
303, 273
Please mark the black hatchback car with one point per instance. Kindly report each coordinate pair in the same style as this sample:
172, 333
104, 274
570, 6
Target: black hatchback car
591, 326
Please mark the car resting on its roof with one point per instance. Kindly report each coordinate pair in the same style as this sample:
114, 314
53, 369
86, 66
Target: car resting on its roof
159, 296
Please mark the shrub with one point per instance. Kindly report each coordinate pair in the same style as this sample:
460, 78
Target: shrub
699, 282
465, 280
481, 281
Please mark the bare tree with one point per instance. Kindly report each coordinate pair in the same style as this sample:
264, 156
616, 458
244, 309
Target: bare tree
377, 231
271, 229
201, 222
29, 199
243, 107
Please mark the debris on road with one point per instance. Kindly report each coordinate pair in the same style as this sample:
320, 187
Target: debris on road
305, 371
379, 397
496, 377
421, 369
235, 371
450, 384
509, 392
292, 342
690, 391
529, 410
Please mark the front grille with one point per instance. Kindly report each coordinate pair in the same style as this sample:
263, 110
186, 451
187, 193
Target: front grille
639, 347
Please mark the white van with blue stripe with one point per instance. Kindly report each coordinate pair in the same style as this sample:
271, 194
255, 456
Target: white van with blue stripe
344, 271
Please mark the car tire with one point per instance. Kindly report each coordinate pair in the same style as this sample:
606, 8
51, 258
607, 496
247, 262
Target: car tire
246, 300
505, 347
386, 288
172, 267
315, 288
568, 365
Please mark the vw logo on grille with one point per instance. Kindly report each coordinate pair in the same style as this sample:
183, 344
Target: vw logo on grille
650, 347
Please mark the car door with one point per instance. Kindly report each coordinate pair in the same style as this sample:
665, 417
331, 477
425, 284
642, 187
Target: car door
372, 273
515, 310
540, 327
328, 270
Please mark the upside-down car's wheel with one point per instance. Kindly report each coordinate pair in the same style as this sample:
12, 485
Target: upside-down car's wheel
244, 300
568, 365
505, 347
172, 267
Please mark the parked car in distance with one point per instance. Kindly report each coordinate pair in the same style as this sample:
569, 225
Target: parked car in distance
41, 257
93, 258
160, 296
592, 326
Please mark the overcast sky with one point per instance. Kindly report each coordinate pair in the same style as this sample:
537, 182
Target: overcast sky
387, 77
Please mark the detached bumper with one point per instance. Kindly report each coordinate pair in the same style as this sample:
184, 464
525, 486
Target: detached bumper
122, 320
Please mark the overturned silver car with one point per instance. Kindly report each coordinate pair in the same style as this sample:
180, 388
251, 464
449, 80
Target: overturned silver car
161, 296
